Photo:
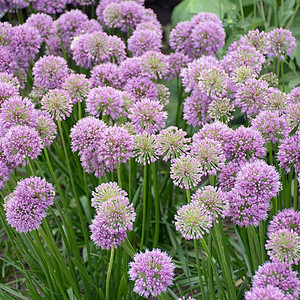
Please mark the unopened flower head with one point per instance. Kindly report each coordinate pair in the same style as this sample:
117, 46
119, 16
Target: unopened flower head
152, 272
186, 172
58, 103
193, 220
278, 275
221, 109
144, 148
46, 127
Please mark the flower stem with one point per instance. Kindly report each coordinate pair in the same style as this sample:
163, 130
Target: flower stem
282, 75
111, 260
188, 196
156, 196
295, 191
144, 206
199, 268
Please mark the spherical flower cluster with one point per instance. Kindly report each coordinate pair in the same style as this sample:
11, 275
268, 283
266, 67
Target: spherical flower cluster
289, 153
285, 219
144, 148
262, 293
58, 103
245, 144
277, 100
43, 23
5, 33
213, 199
11, 79
105, 101
17, 111
295, 95
25, 207
206, 16
284, 246
186, 172
280, 43
209, 153
293, 114
77, 86
171, 143
142, 41
241, 74
176, 62
147, 115
105, 75
228, 174
207, 38
50, 72
152, 272
20, 143
252, 96
221, 109
113, 220
4, 173
258, 179
49, 7
193, 220
278, 275
46, 127
141, 87
163, 94
86, 133
273, 126
130, 68
153, 64
116, 49
7, 60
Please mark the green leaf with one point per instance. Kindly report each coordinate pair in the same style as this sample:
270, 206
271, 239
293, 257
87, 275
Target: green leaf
186, 9
294, 83
122, 287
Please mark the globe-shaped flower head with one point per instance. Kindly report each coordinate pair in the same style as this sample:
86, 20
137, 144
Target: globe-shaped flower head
261, 293
144, 148
46, 127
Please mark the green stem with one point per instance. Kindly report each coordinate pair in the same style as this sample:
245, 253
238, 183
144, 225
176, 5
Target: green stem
111, 260
188, 196
130, 179
295, 192
199, 269
271, 152
79, 110
282, 75
275, 13
241, 9
119, 176
144, 206
252, 250
254, 14
262, 241
156, 196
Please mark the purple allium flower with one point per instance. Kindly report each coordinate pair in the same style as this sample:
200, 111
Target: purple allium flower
163, 95
90, 49
116, 49
58, 103
259, 179
112, 15
247, 210
7, 60
105, 75
188, 298
171, 143
105, 192
50, 72
116, 146
150, 25
186, 172
213, 199
86, 133
4, 173
114, 218
207, 38
285, 219
209, 153
228, 174
252, 96
20, 143
295, 95
221, 109
43, 23
105, 101
273, 126
77, 86
277, 100
46, 127
147, 115
7, 91
130, 68
242, 74
144, 148
154, 63
206, 16
49, 7
25, 43
142, 41
9, 78
262, 293
293, 114
17, 111
152, 272
271, 78
54, 46
289, 153
180, 38
141, 87
278, 275
245, 143
176, 61
284, 246
193, 220
195, 108
5, 33
280, 43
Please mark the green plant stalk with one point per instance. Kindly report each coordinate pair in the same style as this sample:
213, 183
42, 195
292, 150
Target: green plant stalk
119, 176
149, 206
79, 110
275, 13
179, 101
111, 261
156, 196
282, 75
254, 255
144, 206
295, 192
242, 10
188, 196
262, 241
271, 152
199, 269
254, 14
130, 180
